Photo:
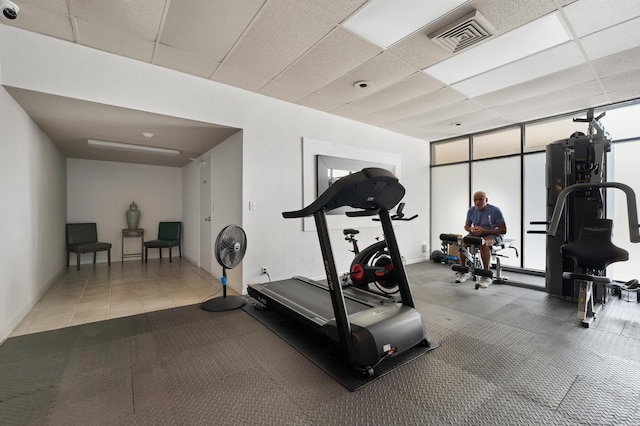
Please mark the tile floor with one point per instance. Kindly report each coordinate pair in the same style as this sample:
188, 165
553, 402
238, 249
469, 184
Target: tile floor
98, 292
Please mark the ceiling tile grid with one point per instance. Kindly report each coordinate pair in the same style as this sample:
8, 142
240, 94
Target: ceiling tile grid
626, 61
590, 16
552, 99
141, 18
544, 63
450, 113
381, 72
411, 87
302, 51
48, 18
207, 29
429, 102
282, 33
543, 85
337, 54
113, 40
613, 39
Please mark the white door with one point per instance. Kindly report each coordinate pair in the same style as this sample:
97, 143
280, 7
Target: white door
206, 211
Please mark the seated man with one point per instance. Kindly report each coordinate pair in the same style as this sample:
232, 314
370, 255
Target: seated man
486, 221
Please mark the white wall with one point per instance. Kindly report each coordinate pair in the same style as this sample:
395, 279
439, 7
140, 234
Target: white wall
191, 213
33, 194
226, 197
271, 151
101, 192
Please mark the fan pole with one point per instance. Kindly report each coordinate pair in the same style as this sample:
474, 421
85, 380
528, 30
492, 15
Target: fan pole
224, 282
224, 303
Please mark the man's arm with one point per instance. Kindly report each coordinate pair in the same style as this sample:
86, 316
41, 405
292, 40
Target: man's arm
501, 229
468, 227
476, 230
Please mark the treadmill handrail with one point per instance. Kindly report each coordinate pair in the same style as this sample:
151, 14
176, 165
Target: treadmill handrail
632, 209
384, 191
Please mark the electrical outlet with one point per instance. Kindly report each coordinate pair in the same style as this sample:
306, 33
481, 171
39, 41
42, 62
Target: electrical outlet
263, 270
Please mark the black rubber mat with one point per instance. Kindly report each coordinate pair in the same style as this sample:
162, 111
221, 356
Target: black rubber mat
324, 355
509, 356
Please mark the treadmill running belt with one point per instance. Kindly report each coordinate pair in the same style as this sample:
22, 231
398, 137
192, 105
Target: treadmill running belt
311, 300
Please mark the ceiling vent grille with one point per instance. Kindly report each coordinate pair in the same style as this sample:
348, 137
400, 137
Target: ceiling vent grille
463, 33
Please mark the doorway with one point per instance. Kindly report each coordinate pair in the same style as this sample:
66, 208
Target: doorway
206, 211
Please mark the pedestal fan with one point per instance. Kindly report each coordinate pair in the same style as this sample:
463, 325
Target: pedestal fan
231, 245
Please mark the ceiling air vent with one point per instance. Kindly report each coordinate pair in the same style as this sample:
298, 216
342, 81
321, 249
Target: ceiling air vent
463, 33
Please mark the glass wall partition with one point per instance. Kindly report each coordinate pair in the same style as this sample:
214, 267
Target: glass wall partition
449, 201
500, 180
451, 151
497, 144
540, 134
534, 210
623, 124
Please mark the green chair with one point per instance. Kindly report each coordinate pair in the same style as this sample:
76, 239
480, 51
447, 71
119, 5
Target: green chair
169, 236
83, 238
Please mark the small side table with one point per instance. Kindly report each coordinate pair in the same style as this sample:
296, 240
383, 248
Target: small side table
133, 233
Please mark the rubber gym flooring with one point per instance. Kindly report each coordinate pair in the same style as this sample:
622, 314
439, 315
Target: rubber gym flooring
508, 356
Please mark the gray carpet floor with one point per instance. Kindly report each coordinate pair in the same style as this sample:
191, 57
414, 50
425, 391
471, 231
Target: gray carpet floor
508, 356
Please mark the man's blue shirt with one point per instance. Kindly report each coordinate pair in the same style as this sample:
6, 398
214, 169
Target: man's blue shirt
488, 218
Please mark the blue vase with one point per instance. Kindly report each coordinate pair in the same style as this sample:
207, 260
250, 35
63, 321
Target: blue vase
133, 216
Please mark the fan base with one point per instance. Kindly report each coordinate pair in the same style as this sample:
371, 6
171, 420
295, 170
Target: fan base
219, 304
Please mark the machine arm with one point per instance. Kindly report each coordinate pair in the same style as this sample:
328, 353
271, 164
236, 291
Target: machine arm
632, 210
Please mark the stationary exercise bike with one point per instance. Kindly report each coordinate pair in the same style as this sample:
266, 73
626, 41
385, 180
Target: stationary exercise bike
373, 265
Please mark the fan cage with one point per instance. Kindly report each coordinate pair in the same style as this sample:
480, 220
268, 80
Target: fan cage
231, 246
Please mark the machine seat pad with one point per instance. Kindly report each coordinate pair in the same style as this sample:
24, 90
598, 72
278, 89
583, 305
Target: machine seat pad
594, 249
473, 240
460, 268
452, 238
483, 273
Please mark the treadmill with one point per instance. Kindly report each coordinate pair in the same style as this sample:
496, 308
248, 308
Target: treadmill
368, 327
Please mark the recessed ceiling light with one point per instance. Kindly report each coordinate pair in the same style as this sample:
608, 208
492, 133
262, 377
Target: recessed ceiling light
361, 84
534, 37
148, 135
385, 22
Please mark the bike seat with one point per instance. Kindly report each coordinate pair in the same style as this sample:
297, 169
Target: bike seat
350, 231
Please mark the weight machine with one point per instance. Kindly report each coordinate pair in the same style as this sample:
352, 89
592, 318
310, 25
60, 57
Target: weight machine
580, 159
578, 245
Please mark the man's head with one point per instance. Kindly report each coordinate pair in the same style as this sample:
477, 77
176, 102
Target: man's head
480, 200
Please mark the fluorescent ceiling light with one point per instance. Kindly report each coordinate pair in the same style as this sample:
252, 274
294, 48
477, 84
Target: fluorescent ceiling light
534, 37
612, 40
385, 22
539, 65
129, 147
